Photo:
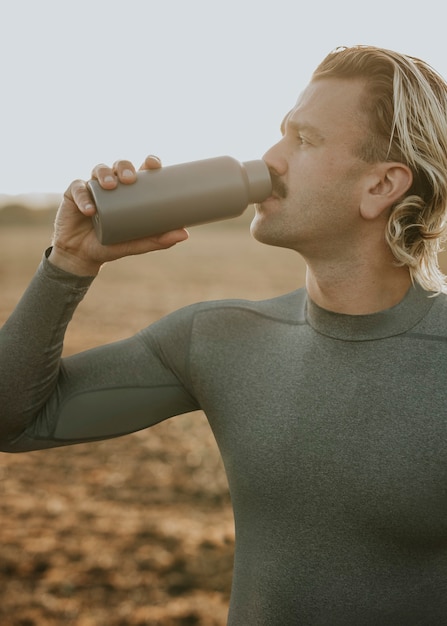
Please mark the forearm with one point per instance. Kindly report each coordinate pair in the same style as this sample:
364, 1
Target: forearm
31, 344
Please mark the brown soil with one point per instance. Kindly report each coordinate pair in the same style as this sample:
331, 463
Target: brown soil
138, 530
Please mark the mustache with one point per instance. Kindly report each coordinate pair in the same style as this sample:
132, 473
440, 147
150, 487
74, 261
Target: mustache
279, 188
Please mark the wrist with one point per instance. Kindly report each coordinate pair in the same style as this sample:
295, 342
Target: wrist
71, 263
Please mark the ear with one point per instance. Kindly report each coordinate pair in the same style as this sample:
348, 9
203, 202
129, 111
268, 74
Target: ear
384, 186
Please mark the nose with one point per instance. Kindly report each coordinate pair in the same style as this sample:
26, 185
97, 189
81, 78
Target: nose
275, 158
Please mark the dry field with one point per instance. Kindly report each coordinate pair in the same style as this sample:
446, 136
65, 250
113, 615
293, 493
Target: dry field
138, 530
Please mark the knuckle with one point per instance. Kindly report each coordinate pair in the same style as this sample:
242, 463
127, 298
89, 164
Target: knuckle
101, 170
73, 187
123, 164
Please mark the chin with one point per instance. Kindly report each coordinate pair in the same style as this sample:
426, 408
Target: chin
263, 230
257, 227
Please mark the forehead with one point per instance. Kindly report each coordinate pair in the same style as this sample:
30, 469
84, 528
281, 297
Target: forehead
331, 106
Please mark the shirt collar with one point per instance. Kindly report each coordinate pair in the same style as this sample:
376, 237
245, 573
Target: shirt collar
387, 323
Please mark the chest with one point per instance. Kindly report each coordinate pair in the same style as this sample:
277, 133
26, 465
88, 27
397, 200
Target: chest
353, 431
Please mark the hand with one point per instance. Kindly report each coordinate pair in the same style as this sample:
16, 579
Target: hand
76, 248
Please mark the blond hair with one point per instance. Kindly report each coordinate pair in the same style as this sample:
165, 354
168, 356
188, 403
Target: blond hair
406, 101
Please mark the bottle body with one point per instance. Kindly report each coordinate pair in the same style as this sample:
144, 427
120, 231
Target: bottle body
178, 196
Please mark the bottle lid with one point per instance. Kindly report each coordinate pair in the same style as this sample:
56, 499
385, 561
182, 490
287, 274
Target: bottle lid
259, 180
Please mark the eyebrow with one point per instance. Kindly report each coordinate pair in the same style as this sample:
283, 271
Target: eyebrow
297, 127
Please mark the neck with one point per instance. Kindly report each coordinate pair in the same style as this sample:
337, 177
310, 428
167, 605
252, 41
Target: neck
357, 290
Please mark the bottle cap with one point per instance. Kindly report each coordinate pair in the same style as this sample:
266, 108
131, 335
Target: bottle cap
259, 180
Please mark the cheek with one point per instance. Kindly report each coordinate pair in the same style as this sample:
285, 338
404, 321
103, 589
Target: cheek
310, 169
328, 177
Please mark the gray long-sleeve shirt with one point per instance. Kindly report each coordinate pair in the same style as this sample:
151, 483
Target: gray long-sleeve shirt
332, 429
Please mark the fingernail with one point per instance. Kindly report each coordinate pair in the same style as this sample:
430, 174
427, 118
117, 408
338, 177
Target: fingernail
109, 179
127, 174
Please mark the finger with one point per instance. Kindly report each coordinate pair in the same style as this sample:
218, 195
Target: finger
166, 240
144, 245
151, 162
125, 171
105, 176
80, 195
150, 244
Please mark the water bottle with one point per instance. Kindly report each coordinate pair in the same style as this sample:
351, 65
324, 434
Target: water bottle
178, 196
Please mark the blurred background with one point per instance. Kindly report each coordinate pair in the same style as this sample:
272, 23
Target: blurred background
90, 81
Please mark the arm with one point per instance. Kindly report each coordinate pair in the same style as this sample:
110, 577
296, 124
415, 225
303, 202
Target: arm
32, 376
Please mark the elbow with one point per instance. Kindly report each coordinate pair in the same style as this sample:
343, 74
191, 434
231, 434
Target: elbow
8, 446
12, 442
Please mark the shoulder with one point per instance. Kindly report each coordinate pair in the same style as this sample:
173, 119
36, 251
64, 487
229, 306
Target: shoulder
287, 309
434, 323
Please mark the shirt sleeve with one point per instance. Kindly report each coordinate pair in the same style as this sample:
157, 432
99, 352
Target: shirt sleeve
112, 390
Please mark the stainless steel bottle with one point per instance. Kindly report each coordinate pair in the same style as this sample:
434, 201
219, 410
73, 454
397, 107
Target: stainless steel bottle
178, 196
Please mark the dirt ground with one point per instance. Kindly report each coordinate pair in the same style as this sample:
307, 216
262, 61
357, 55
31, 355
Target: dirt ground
137, 530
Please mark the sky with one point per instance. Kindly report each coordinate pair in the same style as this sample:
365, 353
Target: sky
91, 81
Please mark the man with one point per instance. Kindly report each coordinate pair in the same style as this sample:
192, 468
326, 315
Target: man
328, 404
